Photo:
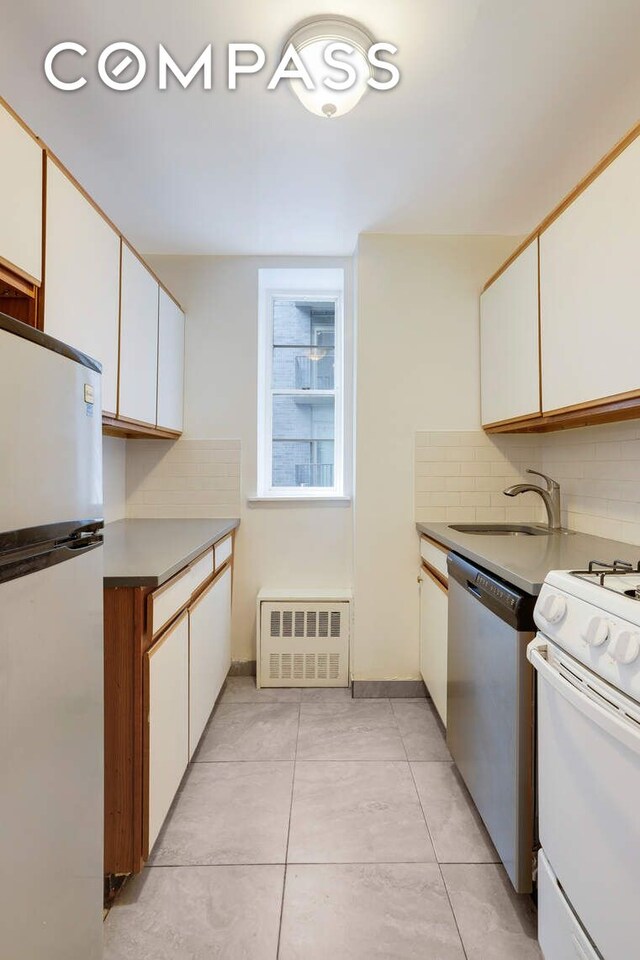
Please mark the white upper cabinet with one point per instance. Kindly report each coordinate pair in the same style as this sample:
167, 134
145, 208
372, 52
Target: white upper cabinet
20, 198
170, 363
590, 290
138, 341
82, 278
509, 341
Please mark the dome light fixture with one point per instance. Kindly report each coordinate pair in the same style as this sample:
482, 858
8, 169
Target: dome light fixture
334, 51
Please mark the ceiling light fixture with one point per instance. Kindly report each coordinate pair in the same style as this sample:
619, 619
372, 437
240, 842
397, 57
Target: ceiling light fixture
334, 51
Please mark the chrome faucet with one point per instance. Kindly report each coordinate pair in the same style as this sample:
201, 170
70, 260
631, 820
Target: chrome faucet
551, 497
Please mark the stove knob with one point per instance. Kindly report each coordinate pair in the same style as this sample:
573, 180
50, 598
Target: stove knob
625, 647
597, 632
553, 608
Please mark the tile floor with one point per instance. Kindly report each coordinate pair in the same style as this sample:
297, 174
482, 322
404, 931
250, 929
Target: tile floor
314, 826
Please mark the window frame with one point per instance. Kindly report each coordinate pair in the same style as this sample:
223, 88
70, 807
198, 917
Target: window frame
266, 392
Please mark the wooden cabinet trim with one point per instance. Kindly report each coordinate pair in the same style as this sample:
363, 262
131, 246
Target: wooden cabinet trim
539, 333
144, 753
573, 194
436, 576
434, 543
516, 420
168, 629
114, 426
61, 166
18, 278
183, 572
123, 720
21, 122
150, 269
623, 406
207, 586
196, 593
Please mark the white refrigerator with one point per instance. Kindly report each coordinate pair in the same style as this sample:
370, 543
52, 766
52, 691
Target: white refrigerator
51, 649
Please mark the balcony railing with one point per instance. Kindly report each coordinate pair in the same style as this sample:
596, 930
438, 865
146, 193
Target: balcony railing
314, 474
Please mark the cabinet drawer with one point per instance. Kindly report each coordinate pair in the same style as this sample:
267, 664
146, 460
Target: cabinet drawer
165, 602
168, 599
201, 570
434, 555
223, 551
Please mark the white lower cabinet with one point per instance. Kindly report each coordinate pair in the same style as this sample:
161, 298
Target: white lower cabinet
209, 652
168, 744
434, 607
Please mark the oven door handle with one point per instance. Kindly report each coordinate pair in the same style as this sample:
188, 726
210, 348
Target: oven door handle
625, 731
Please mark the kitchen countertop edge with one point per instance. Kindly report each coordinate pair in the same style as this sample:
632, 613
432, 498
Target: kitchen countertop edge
179, 562
564, 551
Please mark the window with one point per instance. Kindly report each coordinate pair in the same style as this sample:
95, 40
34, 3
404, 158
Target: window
301, 413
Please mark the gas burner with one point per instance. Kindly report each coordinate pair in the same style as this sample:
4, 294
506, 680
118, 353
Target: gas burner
609, 574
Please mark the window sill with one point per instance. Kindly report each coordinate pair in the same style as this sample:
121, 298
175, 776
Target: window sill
300, 500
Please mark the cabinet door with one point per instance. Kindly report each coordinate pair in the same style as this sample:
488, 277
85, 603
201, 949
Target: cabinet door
138, 341
209, 652
510, 370
590, 290
82, 262
434, 607
170, 363
20, 198
168, 725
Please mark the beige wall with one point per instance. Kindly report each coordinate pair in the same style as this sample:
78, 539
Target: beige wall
417, 369
279, 544
113, 478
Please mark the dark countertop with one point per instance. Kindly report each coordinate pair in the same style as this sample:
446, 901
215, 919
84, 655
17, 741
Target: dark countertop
146, 553
525, 561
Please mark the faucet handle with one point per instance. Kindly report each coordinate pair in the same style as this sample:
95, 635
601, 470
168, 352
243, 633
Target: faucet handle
550, 482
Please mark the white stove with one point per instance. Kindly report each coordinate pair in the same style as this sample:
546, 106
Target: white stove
587, 657
594, 615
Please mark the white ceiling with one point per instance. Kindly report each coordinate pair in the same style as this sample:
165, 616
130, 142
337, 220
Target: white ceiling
503, 105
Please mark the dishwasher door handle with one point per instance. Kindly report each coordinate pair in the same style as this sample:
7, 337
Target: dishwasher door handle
472, 588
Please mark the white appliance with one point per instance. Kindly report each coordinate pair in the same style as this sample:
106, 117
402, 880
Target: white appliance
51, 650
587, 657
303, 638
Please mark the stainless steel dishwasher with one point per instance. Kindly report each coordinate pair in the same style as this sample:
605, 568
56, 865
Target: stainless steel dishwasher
490, 717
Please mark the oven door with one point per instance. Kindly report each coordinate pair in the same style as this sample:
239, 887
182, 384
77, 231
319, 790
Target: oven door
589, 790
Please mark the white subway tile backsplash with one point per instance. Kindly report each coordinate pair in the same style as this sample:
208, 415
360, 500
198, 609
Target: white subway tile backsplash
183, 479
598, 468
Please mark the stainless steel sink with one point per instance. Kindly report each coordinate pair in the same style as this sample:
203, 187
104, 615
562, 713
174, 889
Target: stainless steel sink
501, 529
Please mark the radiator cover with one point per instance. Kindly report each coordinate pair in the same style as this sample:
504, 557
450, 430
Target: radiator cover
303, 639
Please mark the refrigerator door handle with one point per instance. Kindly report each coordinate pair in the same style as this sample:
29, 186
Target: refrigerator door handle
23, 565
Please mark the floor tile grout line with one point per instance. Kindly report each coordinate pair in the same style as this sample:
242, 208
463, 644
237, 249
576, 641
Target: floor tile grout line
444, 884
286, 852
455, 918
323, 863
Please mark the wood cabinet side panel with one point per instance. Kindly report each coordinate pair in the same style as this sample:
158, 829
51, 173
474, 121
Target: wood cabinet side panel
123, 632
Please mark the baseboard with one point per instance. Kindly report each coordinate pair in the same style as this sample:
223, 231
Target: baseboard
388, 688
242, 668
